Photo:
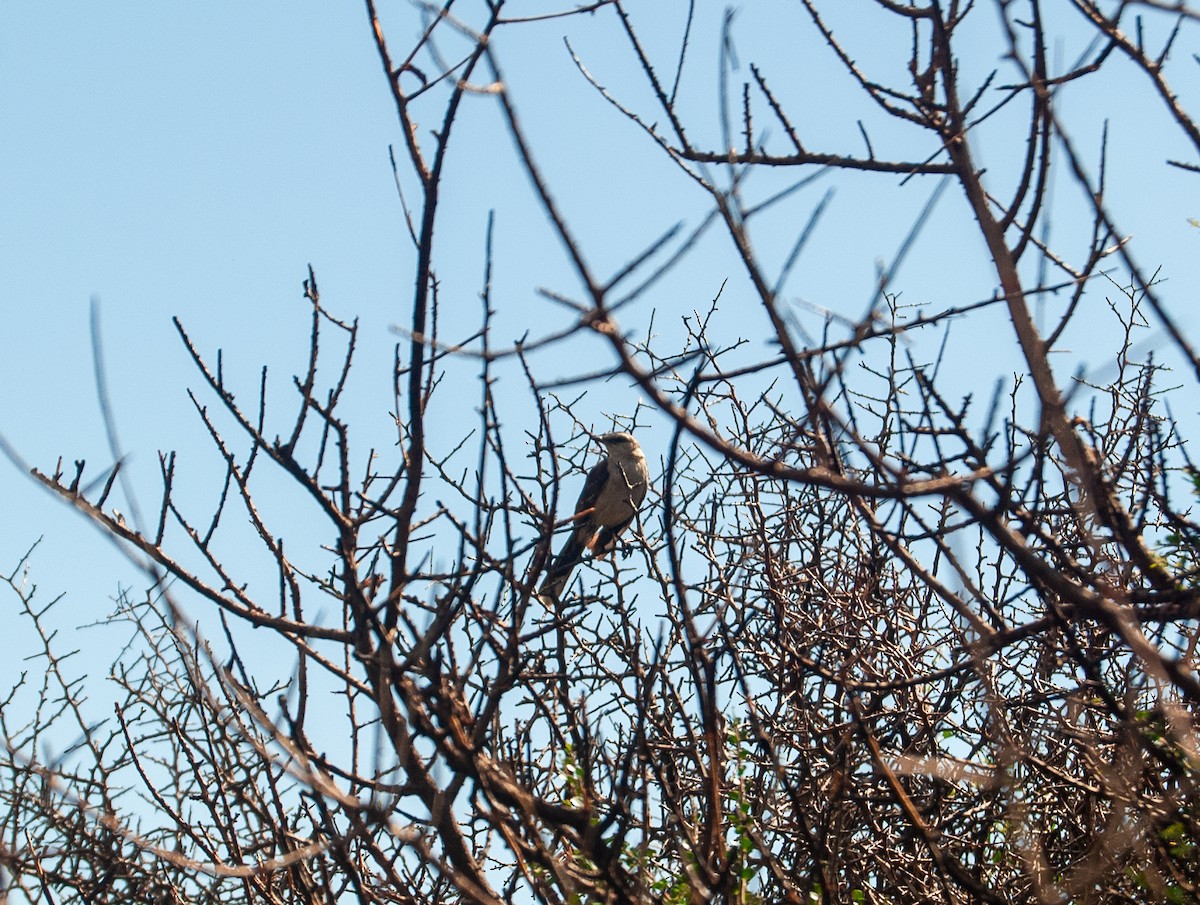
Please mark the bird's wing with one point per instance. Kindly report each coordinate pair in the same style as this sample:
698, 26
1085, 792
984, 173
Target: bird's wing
582, 534
597, 477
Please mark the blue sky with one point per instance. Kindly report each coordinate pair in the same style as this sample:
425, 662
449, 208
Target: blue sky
191, 160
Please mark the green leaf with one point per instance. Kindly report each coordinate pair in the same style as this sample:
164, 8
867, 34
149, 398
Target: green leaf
1172, 833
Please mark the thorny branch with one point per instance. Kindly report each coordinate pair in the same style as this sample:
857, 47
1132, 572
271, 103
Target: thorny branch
874, 639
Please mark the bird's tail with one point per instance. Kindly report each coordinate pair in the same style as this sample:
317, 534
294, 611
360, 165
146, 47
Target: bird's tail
564, 564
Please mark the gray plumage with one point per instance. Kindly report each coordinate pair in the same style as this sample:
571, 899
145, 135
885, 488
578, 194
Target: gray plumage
612, 493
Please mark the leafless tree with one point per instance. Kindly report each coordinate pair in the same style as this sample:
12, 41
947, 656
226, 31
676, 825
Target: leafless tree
873, 638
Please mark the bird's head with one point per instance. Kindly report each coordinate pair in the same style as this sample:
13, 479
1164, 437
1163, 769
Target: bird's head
618, 442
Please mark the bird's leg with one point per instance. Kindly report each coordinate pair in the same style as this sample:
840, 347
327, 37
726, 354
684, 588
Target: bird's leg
606, 540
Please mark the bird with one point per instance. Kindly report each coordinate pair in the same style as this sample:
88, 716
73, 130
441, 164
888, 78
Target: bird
612, 493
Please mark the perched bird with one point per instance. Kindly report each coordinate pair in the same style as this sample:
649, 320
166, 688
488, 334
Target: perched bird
611, 496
